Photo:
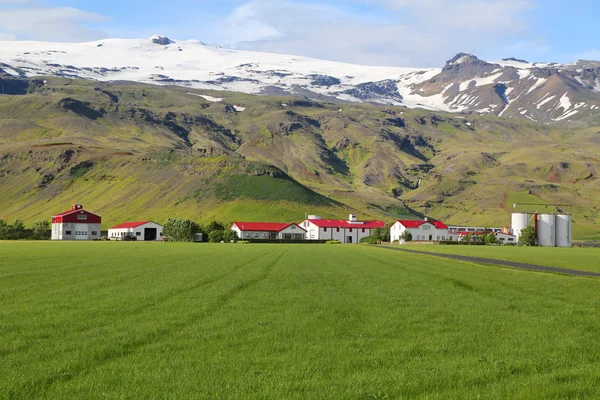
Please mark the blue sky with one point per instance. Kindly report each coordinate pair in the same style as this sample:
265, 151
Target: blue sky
378, 32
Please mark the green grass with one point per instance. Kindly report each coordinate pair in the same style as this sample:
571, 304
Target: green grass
267, 188
524, 197
155, 320
586, 259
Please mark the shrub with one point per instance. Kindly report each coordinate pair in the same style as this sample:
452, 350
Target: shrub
242, 242
229, 235
333, 242
491, 239
370, 240
41, 230
216, 236
407, 236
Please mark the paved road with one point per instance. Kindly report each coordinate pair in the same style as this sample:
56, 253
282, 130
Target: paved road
503, 263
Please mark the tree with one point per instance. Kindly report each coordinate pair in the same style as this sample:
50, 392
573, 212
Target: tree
181, 230
229, 235
491, 239
41, 230
383, 234
407, 236
528, 237
216, 236
213, 226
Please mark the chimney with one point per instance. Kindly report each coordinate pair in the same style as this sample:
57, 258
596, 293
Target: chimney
77, 207
352, 218
426, 219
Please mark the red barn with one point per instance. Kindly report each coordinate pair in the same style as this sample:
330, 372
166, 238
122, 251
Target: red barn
76, 224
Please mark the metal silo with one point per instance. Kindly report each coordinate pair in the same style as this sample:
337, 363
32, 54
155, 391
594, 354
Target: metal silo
520, 221
546, 227
564, 227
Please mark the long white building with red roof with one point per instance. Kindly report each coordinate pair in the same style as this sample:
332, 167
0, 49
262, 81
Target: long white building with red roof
146, 231
421, 230
268, 230
76, 224
350, 231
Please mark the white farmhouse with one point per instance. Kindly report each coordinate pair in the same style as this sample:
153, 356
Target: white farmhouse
268, 230
145, 231
424, 230
350, 231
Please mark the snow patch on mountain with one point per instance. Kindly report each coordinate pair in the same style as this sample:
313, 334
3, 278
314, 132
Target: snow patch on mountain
541, 103
465, 84
565, 103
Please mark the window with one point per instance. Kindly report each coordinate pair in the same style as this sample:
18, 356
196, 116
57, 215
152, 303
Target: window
67, 232
511, 239
293, 227
138, 234
426, 227
94, 233
337, 229
324, 229
82, 217
256, 235
363, 230
438, 238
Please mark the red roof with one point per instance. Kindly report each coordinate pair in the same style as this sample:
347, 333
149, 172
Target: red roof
263, 226
74, 211
127, 225
417, 224
338, 223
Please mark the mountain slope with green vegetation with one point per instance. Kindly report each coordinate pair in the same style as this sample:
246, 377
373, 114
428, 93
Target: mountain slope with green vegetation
134, 151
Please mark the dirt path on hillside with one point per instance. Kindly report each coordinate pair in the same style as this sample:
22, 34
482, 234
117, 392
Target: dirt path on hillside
501, 263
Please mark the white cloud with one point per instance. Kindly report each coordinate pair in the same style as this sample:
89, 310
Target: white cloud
416, 32
27, 20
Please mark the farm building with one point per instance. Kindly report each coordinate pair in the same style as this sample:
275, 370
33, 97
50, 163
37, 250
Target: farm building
146, 231
268, 230
76, 224
350, 231
473, 229
506, 238
421, 230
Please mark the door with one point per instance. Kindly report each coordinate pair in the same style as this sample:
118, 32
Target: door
349, 239
430, 237
150, 234
81, 232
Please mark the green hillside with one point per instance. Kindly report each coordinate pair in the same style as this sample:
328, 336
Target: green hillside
133, 151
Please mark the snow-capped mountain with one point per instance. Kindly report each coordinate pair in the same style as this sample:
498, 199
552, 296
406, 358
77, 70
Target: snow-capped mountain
511, 88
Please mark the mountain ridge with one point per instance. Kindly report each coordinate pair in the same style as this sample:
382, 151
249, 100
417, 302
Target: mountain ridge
547, 93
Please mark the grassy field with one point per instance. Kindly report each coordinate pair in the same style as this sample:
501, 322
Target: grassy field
585, 259
155, 320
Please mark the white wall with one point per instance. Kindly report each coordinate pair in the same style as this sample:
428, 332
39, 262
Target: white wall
293, 230
344, 235
75, 231
138, 232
